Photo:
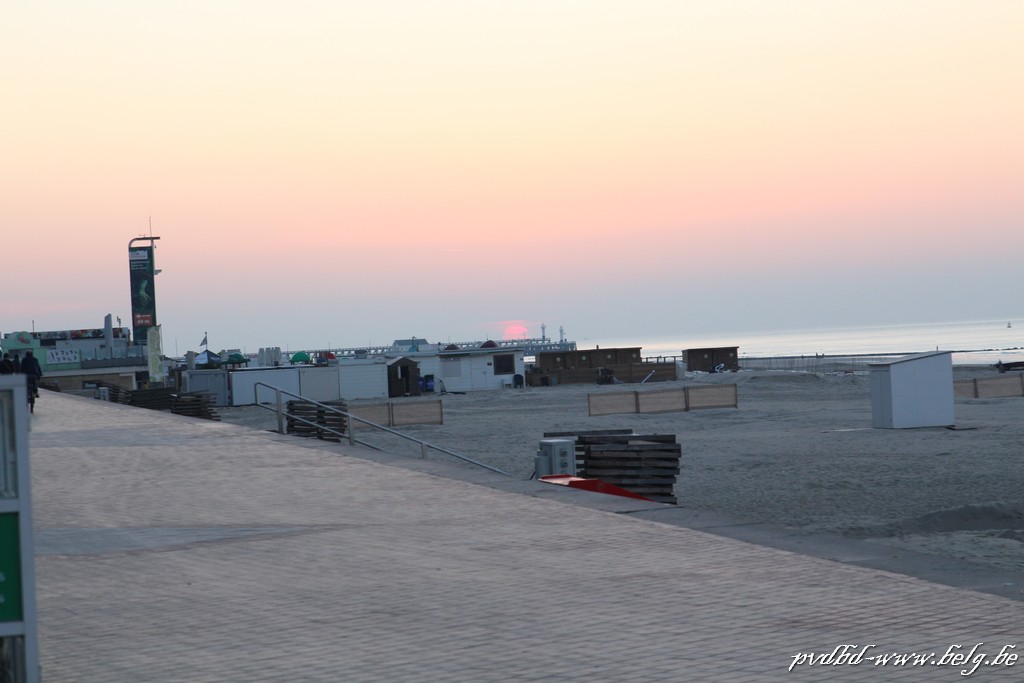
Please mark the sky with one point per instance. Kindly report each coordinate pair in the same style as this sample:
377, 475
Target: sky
341, 174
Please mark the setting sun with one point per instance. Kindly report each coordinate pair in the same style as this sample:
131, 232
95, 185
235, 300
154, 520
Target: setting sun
515, 331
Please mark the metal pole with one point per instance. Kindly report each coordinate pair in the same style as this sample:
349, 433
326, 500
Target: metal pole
280, 412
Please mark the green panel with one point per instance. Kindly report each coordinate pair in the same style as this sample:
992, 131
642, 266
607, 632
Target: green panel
142, 273
10, 568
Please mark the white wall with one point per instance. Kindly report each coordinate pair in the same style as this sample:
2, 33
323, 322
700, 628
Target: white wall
214, 382
243, 384
363, 379
320, 384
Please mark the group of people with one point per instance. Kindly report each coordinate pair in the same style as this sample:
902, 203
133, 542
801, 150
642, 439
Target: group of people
28, 366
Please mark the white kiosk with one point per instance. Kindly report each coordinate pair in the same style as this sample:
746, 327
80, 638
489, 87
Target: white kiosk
913, 391
19, 649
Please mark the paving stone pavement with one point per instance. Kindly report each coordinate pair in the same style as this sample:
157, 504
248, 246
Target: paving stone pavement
177, 549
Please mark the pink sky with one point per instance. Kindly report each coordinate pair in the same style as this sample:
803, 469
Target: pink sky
350, 173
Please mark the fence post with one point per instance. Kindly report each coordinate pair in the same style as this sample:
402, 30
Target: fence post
636, 401
1022, 384
686, 399
280, 411
975, 387
391, 414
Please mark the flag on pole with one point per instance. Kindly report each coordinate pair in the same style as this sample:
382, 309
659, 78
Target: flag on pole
203, 343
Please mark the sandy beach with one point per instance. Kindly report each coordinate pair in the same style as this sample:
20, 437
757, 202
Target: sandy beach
799, 452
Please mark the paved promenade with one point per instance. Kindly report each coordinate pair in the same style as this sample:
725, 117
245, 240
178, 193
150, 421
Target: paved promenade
176, 549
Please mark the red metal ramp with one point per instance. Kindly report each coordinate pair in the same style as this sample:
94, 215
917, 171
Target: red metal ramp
595, 485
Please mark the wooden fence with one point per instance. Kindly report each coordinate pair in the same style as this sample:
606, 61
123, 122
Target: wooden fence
668, 401
1005, 386
385, 414
400, 414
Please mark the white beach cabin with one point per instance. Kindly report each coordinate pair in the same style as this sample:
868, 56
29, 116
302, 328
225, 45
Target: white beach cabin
472, 369
913, 391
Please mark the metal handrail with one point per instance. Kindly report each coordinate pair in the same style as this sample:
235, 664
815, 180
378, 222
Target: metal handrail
424, 445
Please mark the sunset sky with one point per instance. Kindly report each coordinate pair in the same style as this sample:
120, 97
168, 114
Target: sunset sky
342, 173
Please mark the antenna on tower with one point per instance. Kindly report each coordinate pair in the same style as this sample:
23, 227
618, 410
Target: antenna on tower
543, 331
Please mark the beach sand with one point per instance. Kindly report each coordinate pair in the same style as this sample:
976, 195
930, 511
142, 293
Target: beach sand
799, 452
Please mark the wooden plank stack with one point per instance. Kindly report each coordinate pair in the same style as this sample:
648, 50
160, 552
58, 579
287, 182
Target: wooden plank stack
195, 404
154, 399
646, 464
322, 420
115, 393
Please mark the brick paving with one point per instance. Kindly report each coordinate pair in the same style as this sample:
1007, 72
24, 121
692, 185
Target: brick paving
177, 549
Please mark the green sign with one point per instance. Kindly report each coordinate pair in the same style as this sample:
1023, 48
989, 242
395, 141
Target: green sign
10, 568
142, 274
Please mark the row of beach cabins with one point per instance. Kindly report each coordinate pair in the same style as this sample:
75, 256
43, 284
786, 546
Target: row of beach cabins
414, 369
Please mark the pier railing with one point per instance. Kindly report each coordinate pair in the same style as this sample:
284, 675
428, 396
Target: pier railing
812, 363
818, 363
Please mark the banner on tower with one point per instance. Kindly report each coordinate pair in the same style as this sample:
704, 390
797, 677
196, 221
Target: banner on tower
142, 275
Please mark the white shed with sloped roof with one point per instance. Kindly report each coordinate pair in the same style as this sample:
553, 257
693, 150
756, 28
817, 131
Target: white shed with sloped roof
913, 391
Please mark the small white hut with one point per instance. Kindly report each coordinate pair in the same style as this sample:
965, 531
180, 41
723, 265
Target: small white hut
913, 391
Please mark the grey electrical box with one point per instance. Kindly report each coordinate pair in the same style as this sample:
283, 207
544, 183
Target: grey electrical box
556, 456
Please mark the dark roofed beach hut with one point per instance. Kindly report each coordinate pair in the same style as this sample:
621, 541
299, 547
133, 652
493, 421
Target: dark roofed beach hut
403, 377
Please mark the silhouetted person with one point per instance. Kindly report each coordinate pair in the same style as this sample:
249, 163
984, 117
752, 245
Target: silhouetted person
30, 366
17, 361
6, 365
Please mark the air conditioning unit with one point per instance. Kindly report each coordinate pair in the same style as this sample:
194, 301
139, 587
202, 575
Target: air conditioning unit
556, 456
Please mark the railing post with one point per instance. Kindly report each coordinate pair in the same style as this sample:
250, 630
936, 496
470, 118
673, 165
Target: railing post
280, 411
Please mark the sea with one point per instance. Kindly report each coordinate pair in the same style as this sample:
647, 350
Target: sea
980, 342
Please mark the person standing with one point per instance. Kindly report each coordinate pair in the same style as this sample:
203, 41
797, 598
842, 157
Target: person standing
6, 365
30, 366
17, 361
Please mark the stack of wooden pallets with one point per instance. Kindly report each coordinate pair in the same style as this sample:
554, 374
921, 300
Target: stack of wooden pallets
301, 413
115, 393
646, 464
160, 398
196, 404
